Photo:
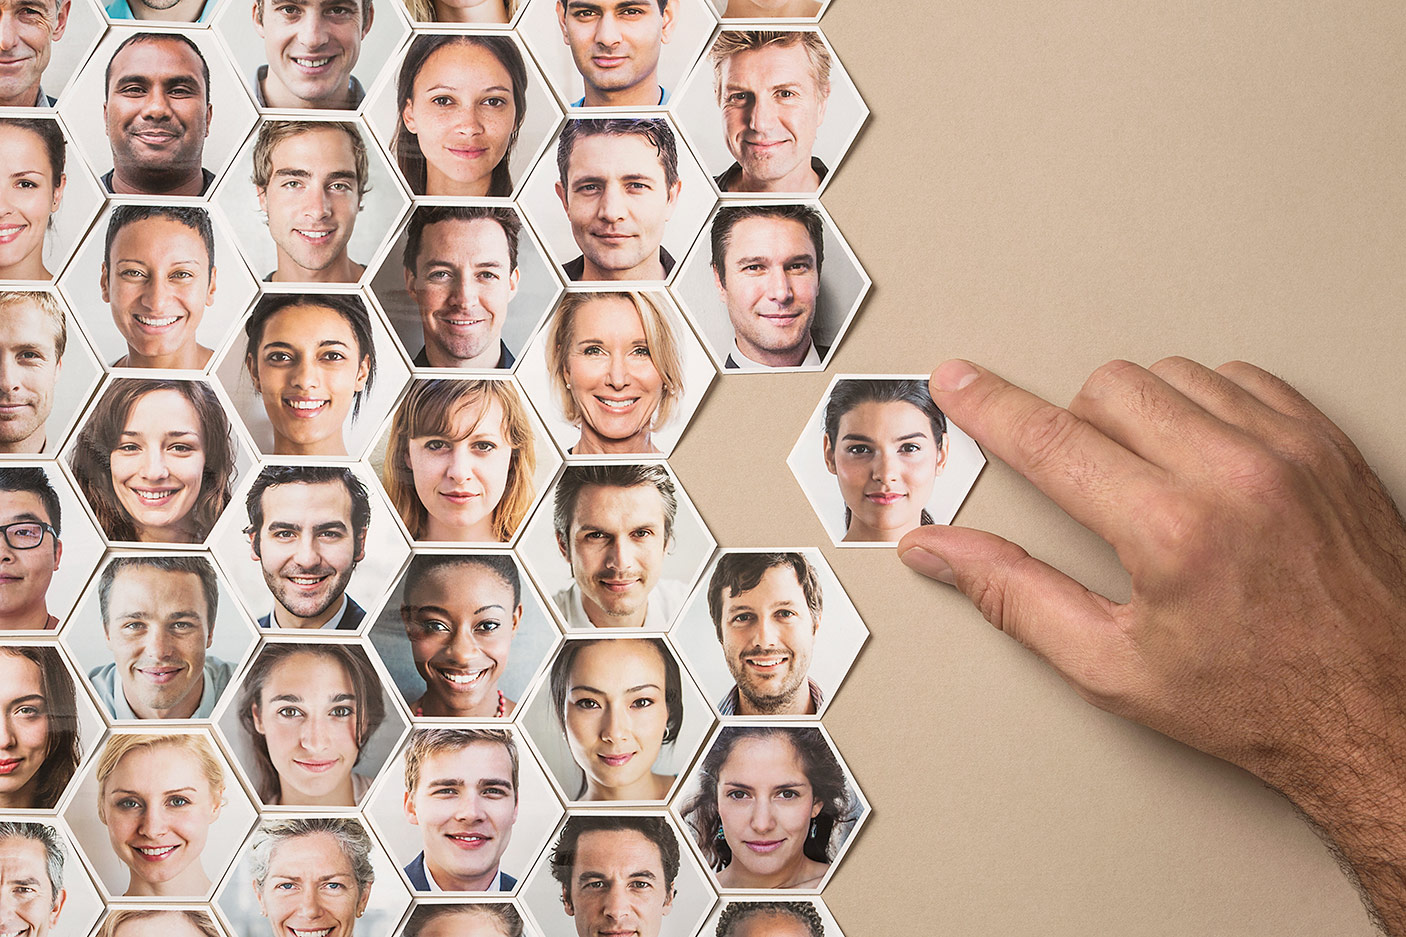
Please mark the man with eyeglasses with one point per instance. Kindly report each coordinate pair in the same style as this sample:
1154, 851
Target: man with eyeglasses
30, 548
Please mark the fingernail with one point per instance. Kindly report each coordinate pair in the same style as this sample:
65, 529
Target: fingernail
929, 564
953, 375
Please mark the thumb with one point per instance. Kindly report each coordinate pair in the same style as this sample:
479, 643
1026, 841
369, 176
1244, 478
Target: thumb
1028, 599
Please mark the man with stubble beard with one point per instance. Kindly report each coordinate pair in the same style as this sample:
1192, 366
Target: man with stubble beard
33, 335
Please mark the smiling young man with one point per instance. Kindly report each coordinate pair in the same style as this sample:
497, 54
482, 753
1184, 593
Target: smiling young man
156, 108
29, 516
615, 45
766, 612
461, 790
766, 268
31, 878
461, 270
307, 531
613, 525
619, 183
158, 615
33, 335
616, 873
310, 177
773, 88
312, 47
26, 47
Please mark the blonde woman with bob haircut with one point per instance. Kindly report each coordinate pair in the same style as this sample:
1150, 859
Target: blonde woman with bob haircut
460, 460
615, 366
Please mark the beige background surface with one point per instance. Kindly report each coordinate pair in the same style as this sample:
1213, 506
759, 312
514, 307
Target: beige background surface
1069, 182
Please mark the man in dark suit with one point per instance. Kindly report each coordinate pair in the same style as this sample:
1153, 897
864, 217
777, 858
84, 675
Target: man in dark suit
307, 530
766, 267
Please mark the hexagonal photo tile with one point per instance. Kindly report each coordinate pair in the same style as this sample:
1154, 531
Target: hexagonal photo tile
172, 640
322, 390
81, 33
632, 549
616, 374
616, 719
155, 459
159, 920
160, 815
312, 722
784, 638
464, 461
629, 205
476, 290
878, 458
770, 807
782, 291
569, 48
463, 635
41, 338
64, 903
160, 298
315, 220
454, 917
323, 551
768, 12
650, 882
271, 49
104, 127
55, 211
484, 124
478, 815
49, 745
767, 917
43, 579
302, 854
763, 121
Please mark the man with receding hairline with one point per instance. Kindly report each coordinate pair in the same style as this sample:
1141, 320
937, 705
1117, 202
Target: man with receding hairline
28, 31
31, 878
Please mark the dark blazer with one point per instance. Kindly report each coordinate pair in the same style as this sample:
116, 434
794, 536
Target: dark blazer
421, 882
351, 618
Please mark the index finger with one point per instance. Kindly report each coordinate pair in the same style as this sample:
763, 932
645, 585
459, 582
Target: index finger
1094, 479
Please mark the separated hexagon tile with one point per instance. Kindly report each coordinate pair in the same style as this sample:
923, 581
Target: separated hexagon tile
155, 459
464, 460
631, 199
602, 56
616, 719
51, 203
317, 203
629, 550
465, 287
465, 114
770, 111
170, 640
159, 814
163, 295
312, 374
310, 546
877, 458
312, 722
631, 868
770, 807
59, 547
770, 633
158, 121
63, 899
771, 286
477, 813
310, 873
463, 635
616, 374
43, 348
47, 746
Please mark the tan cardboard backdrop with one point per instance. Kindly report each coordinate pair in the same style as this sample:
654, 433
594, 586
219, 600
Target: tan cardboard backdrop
1042, 187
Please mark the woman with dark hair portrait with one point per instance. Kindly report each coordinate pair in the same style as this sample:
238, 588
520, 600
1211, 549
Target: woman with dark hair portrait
618, 702
462, 102
155, 460
39, 746
614, 364
769, 801
307, 710
460, 460
312, 359
461, 11
32, 149
312, 875
885, 442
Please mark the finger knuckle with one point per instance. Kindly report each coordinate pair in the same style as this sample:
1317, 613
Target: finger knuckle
1109, 377
1044, 436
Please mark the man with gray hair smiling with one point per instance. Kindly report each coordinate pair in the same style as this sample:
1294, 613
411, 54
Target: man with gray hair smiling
31, 878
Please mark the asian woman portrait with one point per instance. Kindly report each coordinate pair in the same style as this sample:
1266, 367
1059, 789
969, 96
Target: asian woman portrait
156, 460
38, 729
615, 367
33, 150
460, 459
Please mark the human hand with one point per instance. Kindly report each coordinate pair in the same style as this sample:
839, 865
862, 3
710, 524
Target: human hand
1267, 619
